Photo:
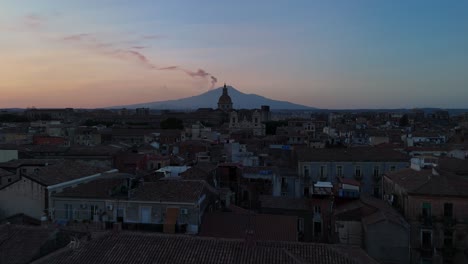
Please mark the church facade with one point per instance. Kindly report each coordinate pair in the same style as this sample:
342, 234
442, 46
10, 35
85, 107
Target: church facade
251, 120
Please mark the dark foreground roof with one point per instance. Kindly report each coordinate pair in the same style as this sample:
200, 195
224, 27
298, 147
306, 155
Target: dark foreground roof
128, 247
21, 244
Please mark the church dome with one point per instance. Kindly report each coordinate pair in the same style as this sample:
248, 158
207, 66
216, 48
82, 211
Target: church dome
225, 101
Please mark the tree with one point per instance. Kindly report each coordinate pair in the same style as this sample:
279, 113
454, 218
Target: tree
404, 121
271, 126
172, 123
13, 118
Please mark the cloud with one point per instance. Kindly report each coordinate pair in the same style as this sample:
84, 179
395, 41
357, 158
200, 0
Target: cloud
200, 73
92, 42
170, 68
77, 37
214, 80
134, 55
26, 23
34, 21
152, 36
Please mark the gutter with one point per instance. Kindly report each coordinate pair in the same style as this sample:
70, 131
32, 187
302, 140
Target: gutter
65, 184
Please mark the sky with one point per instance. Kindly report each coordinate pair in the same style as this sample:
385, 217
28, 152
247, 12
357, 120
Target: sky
337, 54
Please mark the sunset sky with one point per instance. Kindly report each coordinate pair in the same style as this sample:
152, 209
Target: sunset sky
327, 54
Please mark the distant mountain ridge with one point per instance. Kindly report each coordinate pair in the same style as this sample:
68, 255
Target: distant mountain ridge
210, 100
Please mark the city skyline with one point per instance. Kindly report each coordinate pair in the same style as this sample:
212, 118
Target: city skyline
359, 54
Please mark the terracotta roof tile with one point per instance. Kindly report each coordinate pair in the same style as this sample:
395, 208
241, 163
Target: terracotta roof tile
126, 247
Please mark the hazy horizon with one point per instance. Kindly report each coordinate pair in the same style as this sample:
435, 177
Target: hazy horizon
332, 55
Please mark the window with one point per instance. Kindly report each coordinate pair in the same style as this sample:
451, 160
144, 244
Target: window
357, 171
306, 191
306, 171
426, 210
448, 209
300, 224
256, 120
426, 239
93, 210
323, 171
339, 171
317, 209
233, 120
68, 211
376, 171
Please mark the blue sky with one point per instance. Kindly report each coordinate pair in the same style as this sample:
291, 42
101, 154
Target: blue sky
328, 54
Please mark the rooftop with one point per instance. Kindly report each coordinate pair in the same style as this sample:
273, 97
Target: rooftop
351, 154
64, 171
369, 210
101, 189
262, 226
182, 191
13, 164
284, 203
425, 182
5, 173
128, 247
